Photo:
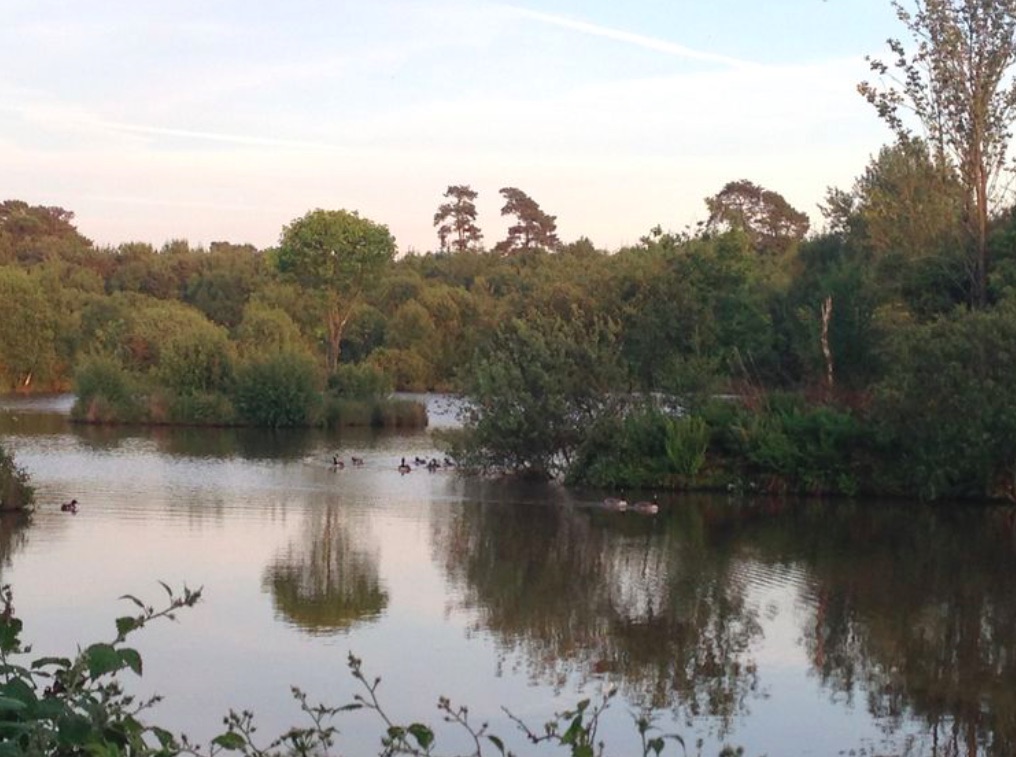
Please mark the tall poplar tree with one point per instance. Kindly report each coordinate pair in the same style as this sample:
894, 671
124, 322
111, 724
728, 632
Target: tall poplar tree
957, 83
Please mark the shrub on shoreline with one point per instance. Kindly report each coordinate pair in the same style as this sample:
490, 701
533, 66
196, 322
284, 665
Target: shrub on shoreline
16, 493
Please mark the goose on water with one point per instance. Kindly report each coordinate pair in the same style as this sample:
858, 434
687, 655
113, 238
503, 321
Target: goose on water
646, 508
615, 503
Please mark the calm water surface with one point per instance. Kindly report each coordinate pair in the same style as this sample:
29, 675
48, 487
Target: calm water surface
790, 629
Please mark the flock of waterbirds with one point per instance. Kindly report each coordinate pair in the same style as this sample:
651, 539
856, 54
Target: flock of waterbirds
431, 465
642, 507
613, 504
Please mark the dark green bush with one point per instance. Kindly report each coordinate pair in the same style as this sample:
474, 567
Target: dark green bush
410, 371
623, 450
361, 381
376, 413
197, 361
686, 444
15, 491
348, 413
106, 392
789, 445
946, 411
278, 390
201, 408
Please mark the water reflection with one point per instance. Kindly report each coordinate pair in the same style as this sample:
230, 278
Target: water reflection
766, 619
327, 581
13, 535
214, 443
588, 594
908, 610
913, 608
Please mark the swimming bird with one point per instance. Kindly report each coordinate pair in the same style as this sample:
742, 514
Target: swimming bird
356, 460
615, 503
337, 463
69, 507
420, 460
646, 508
404, 467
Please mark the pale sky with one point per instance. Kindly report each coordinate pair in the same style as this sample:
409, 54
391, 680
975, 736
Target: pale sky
220, 120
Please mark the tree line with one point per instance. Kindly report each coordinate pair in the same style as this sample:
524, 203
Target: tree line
884, 336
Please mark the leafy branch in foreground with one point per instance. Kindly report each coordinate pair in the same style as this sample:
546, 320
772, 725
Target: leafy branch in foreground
77, 706
574, 729
60, 705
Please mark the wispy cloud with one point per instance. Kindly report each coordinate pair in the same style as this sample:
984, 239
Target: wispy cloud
69, 117
213, 136
627, 37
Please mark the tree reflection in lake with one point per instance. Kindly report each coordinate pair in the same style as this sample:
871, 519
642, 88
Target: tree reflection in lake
327, 581
901, 611
913, 608
583, 593
13, 534
907, 609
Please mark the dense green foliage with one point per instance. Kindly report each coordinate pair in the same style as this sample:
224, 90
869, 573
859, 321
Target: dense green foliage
591, 365
533, 390
947, 407
16, 491
336, 255
279, 389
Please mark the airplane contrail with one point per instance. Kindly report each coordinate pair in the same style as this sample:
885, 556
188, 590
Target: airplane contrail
211, 136
76, 117
631, 38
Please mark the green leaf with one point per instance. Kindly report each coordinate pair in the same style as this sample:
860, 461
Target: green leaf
496, 742
20, 690
10, 749
49, 707
574, 729
423, 735
395, 732
102, 659
166, 739
11, 704
61, 662
125, 625
10, 631
131, 659
135, 600
73, 730
230, 740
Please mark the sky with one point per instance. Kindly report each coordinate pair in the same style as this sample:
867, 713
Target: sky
220, 120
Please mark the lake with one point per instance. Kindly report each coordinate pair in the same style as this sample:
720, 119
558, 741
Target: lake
788, 628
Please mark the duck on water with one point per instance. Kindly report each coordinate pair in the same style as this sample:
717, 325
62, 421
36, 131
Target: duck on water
643, 507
